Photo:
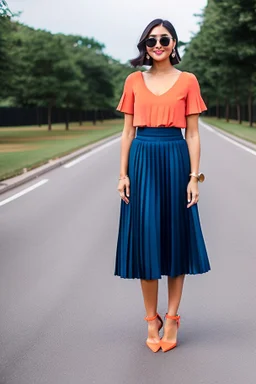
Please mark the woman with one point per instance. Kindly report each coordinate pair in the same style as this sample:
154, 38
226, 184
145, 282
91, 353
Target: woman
159, 229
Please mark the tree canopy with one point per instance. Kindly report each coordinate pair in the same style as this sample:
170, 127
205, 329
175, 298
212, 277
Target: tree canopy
4, 9
38, 68
223, 54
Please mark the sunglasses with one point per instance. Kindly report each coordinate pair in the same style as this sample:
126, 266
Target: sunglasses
152, 41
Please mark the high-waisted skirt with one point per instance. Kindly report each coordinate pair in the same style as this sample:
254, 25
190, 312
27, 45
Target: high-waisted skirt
158, 235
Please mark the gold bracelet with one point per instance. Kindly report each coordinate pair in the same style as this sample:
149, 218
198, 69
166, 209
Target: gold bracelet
122, 178
200, 176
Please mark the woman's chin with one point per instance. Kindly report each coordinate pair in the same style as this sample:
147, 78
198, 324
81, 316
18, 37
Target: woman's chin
160, 57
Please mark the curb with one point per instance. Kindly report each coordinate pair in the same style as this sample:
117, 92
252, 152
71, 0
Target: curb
8, 184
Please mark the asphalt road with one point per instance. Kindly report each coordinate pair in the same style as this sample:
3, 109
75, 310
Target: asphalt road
64, 317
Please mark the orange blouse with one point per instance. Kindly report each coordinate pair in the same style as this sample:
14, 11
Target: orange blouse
167, 110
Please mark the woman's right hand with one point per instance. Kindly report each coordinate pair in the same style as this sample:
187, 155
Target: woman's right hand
124, 189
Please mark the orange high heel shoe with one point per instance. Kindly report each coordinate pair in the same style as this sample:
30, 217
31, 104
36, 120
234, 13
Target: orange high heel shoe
164, 344
154, 346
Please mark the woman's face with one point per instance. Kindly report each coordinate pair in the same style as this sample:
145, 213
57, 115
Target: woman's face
160, 52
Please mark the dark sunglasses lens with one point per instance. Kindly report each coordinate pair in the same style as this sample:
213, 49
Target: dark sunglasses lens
165, 41
151, 42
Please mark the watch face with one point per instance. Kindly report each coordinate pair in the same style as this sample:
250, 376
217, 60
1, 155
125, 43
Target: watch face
201, 177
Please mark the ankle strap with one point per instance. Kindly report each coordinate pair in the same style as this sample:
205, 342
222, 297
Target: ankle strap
177, 317
147, 318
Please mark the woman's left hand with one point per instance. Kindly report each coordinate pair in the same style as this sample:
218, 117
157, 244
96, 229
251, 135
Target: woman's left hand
192, 192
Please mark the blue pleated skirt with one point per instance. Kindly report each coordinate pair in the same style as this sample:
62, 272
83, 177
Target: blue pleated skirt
158, 235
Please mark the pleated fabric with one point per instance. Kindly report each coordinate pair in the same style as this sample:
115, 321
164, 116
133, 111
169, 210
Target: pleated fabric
158, 235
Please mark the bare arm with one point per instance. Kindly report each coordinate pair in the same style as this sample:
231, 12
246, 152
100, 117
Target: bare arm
127, 137
193, 140
126, 140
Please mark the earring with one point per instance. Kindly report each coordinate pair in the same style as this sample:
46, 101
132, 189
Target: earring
147, 56
173, 53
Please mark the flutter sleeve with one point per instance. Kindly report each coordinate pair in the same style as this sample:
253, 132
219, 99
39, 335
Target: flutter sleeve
194, 101
126, 103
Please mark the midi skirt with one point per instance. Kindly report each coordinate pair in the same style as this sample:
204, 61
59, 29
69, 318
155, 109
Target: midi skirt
158, 235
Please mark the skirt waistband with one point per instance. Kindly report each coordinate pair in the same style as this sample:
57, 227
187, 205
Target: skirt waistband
159, 133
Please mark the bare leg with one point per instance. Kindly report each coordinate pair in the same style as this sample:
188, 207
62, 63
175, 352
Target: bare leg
175, 286
150, 292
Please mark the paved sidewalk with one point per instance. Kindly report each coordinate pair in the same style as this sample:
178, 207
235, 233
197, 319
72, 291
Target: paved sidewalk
6, 185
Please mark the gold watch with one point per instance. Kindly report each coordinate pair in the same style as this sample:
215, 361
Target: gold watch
200, 176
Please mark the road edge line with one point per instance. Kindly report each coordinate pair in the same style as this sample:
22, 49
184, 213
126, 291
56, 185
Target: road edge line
248, 146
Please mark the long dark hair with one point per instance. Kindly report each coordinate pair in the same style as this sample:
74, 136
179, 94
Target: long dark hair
141, 59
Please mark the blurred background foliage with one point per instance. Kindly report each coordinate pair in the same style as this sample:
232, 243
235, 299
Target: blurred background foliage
223, 56
41, 69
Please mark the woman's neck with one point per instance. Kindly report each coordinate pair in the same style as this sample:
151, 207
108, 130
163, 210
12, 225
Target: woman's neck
162, 67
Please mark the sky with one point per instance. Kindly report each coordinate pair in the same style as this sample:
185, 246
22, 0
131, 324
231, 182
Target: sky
118, 24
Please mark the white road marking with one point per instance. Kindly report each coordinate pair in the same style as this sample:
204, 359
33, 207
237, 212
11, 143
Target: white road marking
92, 152
228, 139
29, 189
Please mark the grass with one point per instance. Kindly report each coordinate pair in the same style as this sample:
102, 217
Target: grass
244, 131
29, 147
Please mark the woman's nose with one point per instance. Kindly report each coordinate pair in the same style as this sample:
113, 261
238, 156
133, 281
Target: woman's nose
158, 44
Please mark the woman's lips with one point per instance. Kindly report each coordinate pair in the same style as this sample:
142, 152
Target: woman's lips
158, 52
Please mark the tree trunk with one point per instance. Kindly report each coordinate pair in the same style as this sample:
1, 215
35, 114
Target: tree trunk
49, 117
217, 108
101, 116
238, 107
80, 118
95, 117
38, 115
250, 117
227, 111
238, 112
67, 119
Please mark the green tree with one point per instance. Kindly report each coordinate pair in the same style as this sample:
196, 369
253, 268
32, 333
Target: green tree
4, 9
223, 54
6, 63
95, 70
47, 73
58, 70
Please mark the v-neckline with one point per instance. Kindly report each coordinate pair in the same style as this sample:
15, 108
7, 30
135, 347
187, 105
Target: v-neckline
162, 94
